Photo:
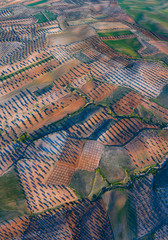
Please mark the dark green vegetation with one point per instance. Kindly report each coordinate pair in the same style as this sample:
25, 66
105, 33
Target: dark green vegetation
152, 15
51, 16
45, 16
162, 99
12, 200
37, 3
82, 182
41, 17
125, 46
25, 68
114, 33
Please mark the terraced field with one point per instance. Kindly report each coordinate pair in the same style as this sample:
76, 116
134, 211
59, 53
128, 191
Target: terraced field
83, 120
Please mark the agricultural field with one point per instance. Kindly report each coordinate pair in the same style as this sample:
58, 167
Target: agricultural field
35, 3
114, 33
162, 99
12, 200
83, 120
128, 47
41, 17
151, 15
45, 16
129, 209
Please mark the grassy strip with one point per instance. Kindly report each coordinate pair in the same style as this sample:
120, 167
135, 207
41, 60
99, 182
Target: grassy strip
102, 175
114, 33
25, 68
37, 3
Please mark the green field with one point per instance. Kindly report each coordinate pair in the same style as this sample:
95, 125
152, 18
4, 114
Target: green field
12, 200
152, 15
37, 3
51, 16
125, 46
114, 33
41, 18
45, 16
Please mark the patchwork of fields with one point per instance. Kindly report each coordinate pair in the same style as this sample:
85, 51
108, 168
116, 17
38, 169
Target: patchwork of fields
83, 120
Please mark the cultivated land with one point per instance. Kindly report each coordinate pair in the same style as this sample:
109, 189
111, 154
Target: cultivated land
12, 200
149, 14
129, 47
83, 120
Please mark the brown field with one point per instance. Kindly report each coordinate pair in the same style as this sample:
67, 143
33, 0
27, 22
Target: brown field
13, 228
61, 174
27, 21
54, 112
118, 37
162, 46
27, 78
75, 115
98, 91
76, 154
157, 110
73, 34
127, 104
71, 152
86, 128
39, 195
67, 221
109, 25
121, 132
148, 148
7, 69
90, 156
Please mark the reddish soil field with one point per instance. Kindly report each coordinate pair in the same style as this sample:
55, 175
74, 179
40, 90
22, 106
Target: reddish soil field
157, 110
127, 104
13, 228
98, 91
90, 156
148, 148
61, 175
39, 195
86, 128
121, 132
